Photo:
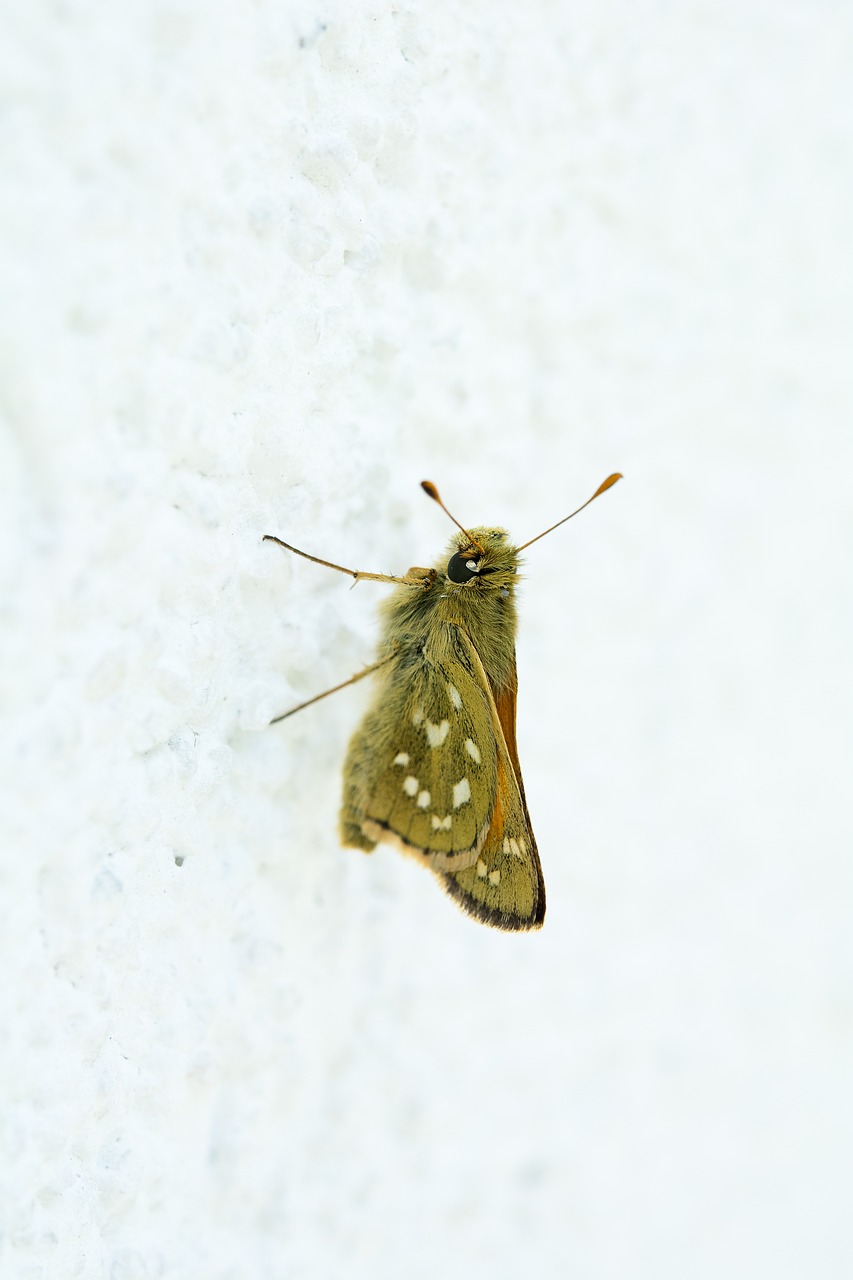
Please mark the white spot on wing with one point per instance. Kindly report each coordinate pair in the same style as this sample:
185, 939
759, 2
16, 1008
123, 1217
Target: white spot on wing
423, 800
461, 792
418, 716
411, 785
481, 868
436, 733
473, 750
402, 759
494, 877
455, 696
441, 824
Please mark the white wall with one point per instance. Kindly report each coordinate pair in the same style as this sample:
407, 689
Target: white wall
264, 268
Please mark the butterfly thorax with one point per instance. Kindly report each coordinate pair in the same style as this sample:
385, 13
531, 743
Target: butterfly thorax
473, 588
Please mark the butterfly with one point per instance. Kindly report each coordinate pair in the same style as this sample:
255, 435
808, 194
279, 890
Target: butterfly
433, 767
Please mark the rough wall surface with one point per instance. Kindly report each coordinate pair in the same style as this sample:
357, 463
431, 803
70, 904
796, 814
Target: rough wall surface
266, 267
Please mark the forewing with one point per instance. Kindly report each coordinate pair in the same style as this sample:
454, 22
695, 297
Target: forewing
435, 793
503, 886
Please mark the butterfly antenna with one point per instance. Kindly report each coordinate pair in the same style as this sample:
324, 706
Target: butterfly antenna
607, 484
429, 487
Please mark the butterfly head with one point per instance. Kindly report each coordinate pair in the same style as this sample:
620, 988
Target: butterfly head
483, 562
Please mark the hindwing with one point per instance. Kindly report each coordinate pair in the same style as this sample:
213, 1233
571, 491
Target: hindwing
423, 766
433, 769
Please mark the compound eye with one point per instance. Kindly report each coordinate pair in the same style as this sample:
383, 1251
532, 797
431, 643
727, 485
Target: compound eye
461, 567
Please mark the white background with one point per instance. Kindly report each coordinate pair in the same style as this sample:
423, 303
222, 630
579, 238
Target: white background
264, 268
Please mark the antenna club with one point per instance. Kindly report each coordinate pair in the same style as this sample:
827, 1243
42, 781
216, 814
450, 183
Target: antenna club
607, 484
429, 488
602, 488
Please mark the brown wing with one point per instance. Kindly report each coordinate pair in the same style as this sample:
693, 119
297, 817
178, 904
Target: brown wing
421, 772
504, 887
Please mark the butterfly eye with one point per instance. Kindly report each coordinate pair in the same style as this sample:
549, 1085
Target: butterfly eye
461, 568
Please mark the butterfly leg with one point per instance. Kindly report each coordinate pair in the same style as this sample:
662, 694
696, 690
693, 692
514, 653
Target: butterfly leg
374, 666
416, 577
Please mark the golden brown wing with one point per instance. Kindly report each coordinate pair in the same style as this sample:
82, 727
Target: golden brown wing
504, 887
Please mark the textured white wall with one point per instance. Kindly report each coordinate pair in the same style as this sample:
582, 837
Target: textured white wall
264, 268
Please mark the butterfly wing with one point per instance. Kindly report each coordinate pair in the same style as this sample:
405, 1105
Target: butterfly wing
503, 886
434, 770
422, 769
